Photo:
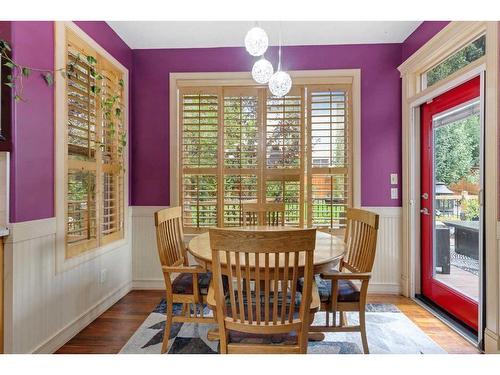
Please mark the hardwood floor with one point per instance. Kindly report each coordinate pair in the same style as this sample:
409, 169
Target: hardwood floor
444, 336
109, 332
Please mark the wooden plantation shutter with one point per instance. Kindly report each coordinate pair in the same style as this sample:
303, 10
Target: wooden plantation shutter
329, 176
94, 162
241, 162
242, 144
200, 123
112, 132
83, 153
284, 153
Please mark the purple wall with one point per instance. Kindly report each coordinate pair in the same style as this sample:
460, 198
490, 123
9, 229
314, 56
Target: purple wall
420, 36
5, 92
32, 158
380, 109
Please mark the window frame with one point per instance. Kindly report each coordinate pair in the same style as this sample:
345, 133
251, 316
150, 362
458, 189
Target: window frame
62, 28
465, 44
337, 77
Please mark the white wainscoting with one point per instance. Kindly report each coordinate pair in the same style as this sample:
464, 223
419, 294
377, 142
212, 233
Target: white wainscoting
4, 187
45, 309
386, 274
387, 268
146, 268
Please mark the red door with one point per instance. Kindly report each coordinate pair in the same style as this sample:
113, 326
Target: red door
448, 262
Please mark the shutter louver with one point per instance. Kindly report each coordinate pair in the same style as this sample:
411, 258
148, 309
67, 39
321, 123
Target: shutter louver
81, 107
329, 177
284, 135
284, 131
81, 224
241, 144
200, 131
111, 95
81, 218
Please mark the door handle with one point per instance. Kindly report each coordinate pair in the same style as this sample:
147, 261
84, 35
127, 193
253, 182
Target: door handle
424, 211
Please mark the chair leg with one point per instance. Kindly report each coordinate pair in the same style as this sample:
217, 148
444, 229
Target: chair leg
223, 342
168, 325
341, 318
344, 315
362, 326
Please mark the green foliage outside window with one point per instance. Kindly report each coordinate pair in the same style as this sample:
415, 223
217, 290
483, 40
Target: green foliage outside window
457, 151
457, 61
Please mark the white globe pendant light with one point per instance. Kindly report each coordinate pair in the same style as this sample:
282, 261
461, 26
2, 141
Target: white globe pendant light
262, 70
280, 83
256, 41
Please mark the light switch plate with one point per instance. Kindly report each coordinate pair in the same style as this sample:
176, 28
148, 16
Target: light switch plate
394, 193
394, 178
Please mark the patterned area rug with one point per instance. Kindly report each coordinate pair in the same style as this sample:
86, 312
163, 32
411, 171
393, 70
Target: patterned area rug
389, 331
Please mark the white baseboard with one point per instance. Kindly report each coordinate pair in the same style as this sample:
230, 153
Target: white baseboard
491, 342
383, 288
73, 328
151, 284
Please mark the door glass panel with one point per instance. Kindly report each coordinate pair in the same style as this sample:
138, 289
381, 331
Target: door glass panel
456, 156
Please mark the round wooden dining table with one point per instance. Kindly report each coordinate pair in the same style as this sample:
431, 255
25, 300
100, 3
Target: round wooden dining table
329, 248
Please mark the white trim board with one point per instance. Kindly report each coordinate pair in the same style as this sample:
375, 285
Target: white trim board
28, 230
148, 284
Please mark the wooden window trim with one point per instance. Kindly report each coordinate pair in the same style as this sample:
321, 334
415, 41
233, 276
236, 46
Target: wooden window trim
85, 250
181, 81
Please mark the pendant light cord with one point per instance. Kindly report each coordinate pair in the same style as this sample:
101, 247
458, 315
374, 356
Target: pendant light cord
279, 48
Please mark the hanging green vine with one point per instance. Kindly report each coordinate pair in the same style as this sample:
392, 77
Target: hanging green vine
18, 72
111, 106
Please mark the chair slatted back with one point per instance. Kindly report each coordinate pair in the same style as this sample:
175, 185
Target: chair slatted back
169, 237
272, 214
361, 240
263, 269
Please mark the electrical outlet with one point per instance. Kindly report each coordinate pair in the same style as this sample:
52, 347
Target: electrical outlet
394, 193
104, 275
394, 178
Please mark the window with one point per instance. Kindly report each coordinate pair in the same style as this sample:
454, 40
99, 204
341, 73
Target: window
94, 145
329, 177
241, 144
455, 62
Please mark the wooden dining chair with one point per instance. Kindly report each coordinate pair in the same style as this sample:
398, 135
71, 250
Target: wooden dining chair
190, 284
273, 310
272, 214
336, 288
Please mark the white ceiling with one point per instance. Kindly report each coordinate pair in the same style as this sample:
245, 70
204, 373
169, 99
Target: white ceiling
200, 34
